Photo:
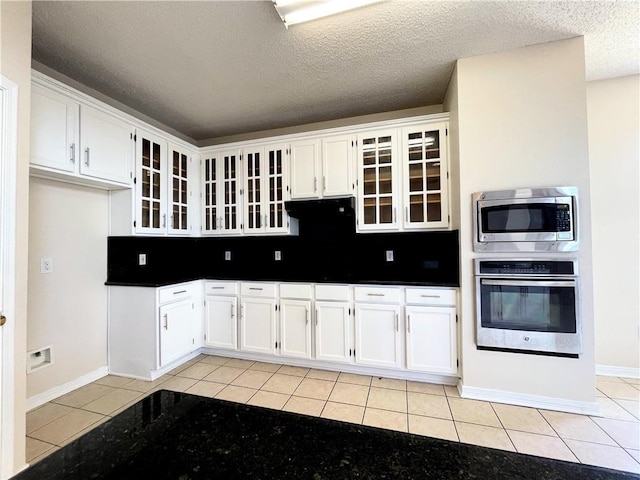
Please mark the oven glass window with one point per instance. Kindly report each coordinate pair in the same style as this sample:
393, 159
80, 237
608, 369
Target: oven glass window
530, 307
529, 217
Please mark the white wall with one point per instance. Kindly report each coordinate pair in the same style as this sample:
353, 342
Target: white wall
68, 307
522, 122
614, 151
15, 64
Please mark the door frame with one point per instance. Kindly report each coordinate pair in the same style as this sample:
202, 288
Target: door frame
8, 166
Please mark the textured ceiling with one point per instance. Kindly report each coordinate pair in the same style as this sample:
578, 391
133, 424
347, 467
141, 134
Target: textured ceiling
213, 68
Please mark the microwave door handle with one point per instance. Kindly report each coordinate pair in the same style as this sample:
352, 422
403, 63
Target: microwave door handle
529, 283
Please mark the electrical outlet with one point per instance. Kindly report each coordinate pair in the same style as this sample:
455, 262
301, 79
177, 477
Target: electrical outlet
227, 256
46, 265
278, 255
389, 255
142, 259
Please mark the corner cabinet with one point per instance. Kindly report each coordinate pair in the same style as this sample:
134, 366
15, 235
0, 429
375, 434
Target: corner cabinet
164, 181
151, 330
77, 142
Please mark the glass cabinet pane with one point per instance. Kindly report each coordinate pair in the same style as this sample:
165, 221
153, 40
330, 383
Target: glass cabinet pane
210, 194
150, 185
230, 181
254, 192
179, 207
377, 180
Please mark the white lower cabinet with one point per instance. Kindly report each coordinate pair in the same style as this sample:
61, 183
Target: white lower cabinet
431, 330
431, 339
377, 335
220, 308
295, 320
175, 331
151, 329
333, 325
258, 318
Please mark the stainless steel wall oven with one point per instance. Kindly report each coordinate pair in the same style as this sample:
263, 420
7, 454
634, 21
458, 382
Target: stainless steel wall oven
528, 305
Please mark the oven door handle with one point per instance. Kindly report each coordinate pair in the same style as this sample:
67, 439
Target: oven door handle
529, 283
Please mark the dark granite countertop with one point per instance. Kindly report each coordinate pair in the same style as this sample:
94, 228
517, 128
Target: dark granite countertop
171, 435
164, 283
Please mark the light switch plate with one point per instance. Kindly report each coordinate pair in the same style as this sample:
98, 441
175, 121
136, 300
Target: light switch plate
389, 255
278, 255
227, 256
142, 259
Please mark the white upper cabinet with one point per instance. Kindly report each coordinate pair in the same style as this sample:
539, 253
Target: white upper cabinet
322, 167
265, 189
425, 176
105, 144
378, 171
221, 193
337, 165
78, 142
55, 133
165, 176
305, 169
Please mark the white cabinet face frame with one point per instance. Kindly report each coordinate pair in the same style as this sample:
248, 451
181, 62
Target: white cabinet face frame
338, 165
295, 328
377, 334
254, 191
105, 144
378, 171
258, 325
305, 169
425, 174
221, 322
151, 152
333, 331
55, 139
431, 339
175, 332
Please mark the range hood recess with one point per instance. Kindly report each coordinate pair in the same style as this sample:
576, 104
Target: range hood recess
326, 207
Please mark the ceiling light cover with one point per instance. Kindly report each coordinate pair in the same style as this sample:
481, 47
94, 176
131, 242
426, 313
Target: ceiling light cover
298, 11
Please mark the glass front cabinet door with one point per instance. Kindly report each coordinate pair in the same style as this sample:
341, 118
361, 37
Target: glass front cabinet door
425, 195
378, 165
221, 193
151, 154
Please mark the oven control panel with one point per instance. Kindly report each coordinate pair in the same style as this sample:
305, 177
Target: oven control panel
525, 267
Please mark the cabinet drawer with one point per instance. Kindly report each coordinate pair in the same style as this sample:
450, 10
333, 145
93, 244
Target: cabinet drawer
221, 288
176, 292
267, 290
377, 294
296, 290
332, 292
431, 296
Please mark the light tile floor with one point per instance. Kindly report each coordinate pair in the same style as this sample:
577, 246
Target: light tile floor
612, 440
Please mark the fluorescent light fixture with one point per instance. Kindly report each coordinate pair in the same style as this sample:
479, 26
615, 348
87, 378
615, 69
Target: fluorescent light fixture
299, 11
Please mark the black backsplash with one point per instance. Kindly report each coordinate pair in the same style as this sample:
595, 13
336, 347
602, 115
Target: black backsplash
321, 253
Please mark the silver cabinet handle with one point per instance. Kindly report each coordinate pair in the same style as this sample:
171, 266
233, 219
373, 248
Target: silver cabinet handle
73, 153
315, 184
166, 321
233, 311
164, 220
256, 288
317, 318
241, 312
86, 156
397, 323
407, 214
430, 296
265, 220
408, 323
324, 183
375, 294
179, 292
394, 214
216, 288
306, 312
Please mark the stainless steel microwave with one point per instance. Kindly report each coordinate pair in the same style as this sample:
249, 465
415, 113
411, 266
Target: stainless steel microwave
526, 220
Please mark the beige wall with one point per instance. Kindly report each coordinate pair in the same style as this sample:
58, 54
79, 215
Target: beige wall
522, 122
68, 307
614, 151
15, 64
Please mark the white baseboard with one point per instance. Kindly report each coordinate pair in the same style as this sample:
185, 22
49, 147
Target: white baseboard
613, 371
42, 398
525, 400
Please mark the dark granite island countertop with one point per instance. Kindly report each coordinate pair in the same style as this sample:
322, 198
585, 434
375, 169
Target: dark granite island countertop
171, 435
